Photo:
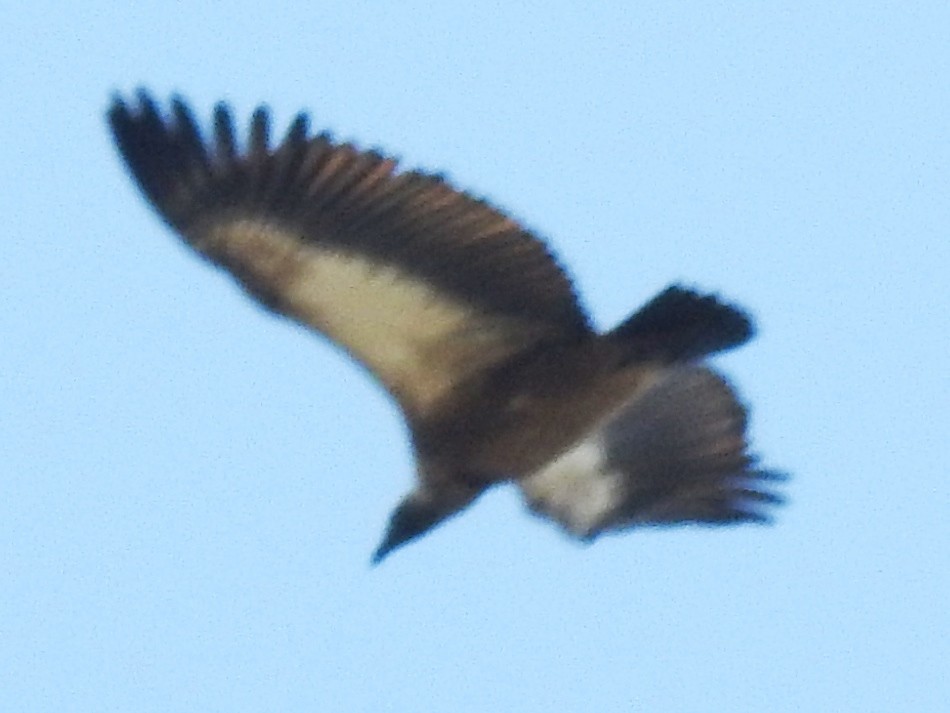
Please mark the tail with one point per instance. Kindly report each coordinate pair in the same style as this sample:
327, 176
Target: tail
680, 325
675, 455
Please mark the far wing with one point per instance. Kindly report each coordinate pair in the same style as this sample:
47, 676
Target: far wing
423, 284
677, 454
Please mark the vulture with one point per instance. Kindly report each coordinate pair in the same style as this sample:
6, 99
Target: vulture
470, 324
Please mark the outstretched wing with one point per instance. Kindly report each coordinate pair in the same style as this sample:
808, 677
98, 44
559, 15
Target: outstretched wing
676, 454
423, 284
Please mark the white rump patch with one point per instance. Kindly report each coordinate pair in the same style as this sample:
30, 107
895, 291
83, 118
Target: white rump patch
419, 341
574, 489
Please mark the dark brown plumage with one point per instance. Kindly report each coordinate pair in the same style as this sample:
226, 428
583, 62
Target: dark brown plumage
469, 322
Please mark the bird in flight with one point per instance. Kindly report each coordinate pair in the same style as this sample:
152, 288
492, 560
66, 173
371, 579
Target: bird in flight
468, 321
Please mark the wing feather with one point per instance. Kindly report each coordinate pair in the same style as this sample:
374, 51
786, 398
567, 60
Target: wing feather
675, 454
425, 285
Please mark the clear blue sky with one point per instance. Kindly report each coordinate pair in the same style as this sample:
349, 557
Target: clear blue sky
191, 489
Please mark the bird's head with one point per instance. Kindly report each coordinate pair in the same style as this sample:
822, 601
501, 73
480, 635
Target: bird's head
415, 515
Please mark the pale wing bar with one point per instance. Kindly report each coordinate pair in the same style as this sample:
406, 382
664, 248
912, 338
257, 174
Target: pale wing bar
424, 284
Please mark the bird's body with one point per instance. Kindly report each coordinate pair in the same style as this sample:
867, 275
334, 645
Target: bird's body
469, 323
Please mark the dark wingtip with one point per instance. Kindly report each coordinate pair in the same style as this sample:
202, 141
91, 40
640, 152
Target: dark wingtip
752, 502
259, 140
164, 151
298, 130
754, 497
121, 112
144, 96
116, 103
225, 144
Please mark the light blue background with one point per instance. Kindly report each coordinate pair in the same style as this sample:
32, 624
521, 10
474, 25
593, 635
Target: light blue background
190, 489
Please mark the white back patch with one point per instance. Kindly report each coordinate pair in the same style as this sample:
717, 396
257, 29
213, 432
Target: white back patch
575, 489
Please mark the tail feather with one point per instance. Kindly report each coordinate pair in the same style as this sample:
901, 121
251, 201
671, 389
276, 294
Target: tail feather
675, 455
680, 325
